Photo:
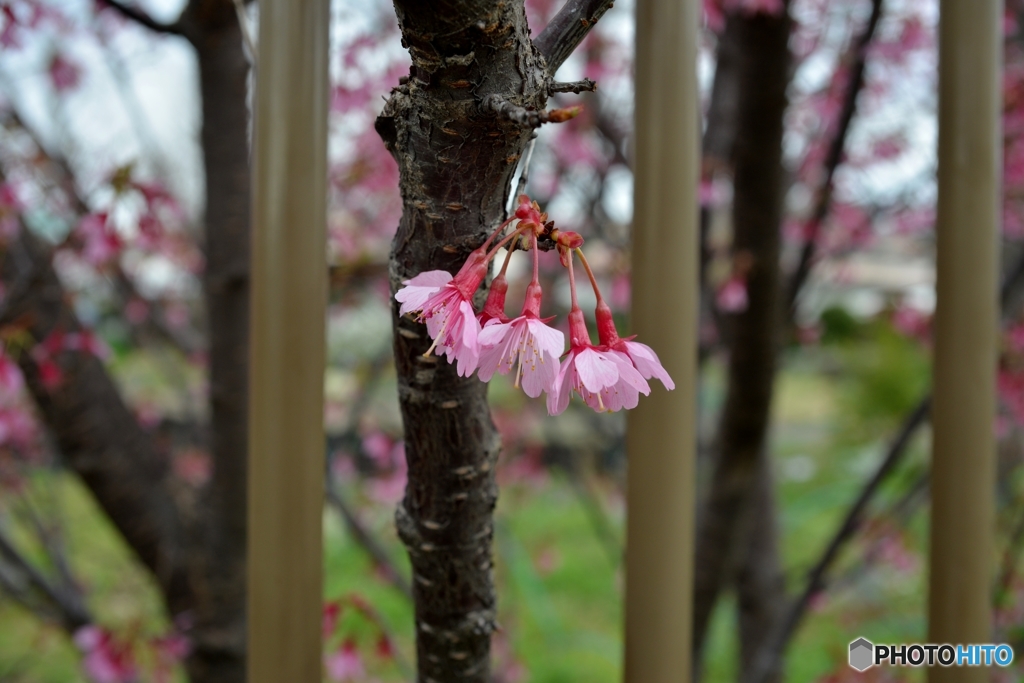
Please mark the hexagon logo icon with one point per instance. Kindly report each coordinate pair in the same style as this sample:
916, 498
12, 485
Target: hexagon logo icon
861, 651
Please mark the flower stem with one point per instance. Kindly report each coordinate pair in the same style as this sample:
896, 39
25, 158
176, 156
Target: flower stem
536, 260
504, 266
518, 231
590, 274
572, 283
501, 228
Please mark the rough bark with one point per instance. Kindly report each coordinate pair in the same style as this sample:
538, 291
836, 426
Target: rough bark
757, 210
456, 157
456, 165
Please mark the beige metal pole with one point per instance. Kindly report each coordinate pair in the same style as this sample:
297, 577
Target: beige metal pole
286, 459
661, 434
963, 450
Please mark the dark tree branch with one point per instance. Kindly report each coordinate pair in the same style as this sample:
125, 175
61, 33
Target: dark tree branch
143, 19
98, 435
219, 561
760, 584
770, 655
364, 538
727, 513
567, 29
833, 158
52, 542
186, 341
64, 600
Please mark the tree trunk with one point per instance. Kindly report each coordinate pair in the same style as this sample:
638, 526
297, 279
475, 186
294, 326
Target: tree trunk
760, 585
763, 76
197, 556
219, 558
95, 432
456, 156
456, 165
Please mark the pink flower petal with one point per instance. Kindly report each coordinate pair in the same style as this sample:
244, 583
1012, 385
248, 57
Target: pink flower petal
595, 370
647, 363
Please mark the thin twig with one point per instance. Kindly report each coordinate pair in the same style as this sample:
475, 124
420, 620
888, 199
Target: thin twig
186, 341
567, 29
597, 516
530, 118
774, 647
575, 87
143, 19
823, 204
364, 538
771, 653
70, 606
51, 541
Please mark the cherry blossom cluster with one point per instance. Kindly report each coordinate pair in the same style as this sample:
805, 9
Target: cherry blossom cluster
109, 659
608, 376
346, 663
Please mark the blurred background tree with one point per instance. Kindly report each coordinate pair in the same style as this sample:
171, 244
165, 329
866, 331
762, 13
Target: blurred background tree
123, 302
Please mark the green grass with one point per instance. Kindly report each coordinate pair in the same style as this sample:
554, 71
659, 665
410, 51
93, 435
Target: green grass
559, 585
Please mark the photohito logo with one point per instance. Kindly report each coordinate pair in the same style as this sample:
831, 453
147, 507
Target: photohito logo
864, 654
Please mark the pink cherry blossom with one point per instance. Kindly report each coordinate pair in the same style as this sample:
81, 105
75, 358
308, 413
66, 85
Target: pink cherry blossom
100, 244
604, 378
420, 289
10, 208
445, 305
640, 356
528, 341
494, 307
105, 661
345, 664
453, 326
732, 296
331, 614
646, 361
64, 74
11, 380
624, 392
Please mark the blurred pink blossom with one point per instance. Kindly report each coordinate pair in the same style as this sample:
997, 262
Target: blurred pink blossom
100, 243
345, 665
105, 660
64, 74
732, 296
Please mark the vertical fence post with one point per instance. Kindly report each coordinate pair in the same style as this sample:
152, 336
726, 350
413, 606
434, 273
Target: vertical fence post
286, 458
966, 320
661, 432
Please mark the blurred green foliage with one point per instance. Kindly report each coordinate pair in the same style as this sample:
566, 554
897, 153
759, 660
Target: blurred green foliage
560, 582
